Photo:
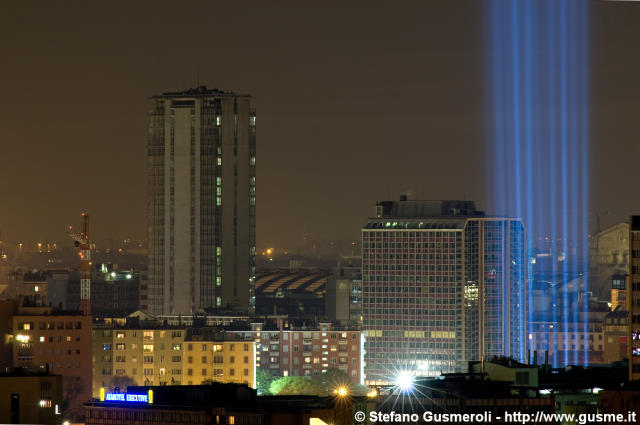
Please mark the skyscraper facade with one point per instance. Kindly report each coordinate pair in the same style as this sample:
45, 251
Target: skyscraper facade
442, 284
201, 201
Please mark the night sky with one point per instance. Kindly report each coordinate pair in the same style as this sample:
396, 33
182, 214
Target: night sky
356, 103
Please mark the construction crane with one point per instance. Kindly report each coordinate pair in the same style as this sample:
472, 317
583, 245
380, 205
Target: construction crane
82, 242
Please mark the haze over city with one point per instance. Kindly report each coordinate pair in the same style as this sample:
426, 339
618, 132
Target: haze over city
319, 214
355, 105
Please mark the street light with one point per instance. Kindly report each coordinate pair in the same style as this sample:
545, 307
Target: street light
341, 391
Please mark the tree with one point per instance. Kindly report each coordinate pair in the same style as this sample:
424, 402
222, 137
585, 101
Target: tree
333, 379
295, 385
263, 381
72, 405
120, 383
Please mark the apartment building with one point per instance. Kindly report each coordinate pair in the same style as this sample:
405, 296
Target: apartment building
169, 356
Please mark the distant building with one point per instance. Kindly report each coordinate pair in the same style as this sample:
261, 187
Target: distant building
299, 293
30, 396
151, 355
619, 291
633, 299
201, 201
608, 256
114, 293
29, 287
344, 292
614, 335
442, 284
570, 338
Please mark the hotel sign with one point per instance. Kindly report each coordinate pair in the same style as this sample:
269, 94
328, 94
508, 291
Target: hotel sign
126, 397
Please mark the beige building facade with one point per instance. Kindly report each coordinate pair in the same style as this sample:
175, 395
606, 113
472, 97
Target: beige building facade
171, 356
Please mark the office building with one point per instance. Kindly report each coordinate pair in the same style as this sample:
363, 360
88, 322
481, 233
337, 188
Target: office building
442, 284
201, 202
633, 299
143, 355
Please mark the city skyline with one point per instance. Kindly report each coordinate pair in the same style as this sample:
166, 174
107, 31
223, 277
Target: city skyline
329, 82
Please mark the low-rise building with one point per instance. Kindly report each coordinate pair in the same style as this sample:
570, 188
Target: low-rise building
30, 396
153, 354
614, 332
287, 348
218, 404
61, 341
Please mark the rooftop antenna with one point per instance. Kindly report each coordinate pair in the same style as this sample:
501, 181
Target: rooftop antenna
197, 76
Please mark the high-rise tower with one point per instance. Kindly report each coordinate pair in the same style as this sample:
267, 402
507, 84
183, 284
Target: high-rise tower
201, 201
442, 284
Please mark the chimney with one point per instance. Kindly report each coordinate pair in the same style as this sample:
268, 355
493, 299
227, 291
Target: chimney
546, 360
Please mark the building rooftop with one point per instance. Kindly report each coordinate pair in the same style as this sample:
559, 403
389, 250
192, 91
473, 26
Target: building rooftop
23, 371
304, 281
405, 208
416, 223
200, 91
